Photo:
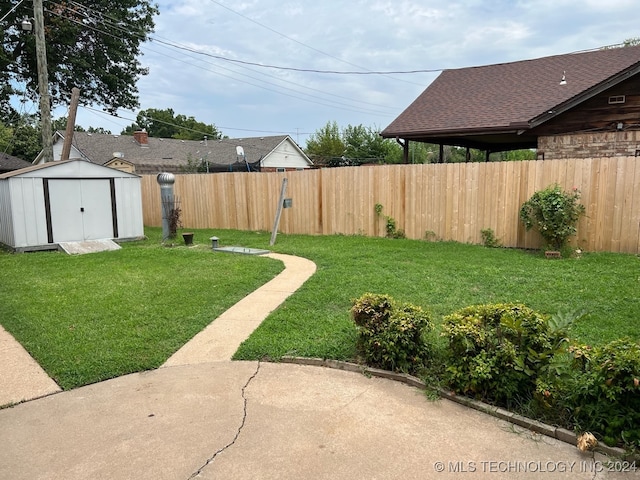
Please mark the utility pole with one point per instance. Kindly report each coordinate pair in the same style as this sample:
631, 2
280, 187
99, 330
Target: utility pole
71, 123
43, 82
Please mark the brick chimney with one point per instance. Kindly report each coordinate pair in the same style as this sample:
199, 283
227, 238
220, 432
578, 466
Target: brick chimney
141, 137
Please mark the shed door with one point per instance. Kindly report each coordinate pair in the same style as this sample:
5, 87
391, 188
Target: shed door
80, 209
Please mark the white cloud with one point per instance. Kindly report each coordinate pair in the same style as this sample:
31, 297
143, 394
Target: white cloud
355, 35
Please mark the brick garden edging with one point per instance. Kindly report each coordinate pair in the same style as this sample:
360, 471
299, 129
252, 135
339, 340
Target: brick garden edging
561, 434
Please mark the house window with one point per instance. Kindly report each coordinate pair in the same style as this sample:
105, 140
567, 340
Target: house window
280, 169
617, 99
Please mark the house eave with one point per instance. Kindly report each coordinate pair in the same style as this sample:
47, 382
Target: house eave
495, 139
612, 81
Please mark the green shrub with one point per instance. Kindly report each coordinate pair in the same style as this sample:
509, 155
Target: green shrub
489, 238
391, 335
496, 351
554, 214
604, 395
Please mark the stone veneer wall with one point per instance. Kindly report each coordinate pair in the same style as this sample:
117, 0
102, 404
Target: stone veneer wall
589, 145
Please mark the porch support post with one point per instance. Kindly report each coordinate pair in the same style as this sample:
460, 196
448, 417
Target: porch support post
404, 143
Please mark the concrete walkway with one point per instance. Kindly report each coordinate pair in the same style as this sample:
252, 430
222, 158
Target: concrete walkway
21, 378
204, 419
220, 339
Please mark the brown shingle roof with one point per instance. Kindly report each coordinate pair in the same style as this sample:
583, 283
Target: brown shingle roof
9, 163
167, 152
508, 96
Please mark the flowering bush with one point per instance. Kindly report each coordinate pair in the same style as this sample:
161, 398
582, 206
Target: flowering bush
554, 214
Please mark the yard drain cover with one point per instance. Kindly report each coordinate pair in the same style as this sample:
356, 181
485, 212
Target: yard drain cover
244, 250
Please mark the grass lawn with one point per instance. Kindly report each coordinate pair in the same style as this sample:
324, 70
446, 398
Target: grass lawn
441, 277
92, 317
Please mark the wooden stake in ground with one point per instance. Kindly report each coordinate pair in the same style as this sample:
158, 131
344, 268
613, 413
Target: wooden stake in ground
276, 223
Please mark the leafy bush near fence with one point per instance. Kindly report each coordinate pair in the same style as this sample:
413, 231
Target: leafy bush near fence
391, 335
554, 214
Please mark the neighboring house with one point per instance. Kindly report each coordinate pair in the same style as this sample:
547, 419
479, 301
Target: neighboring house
9, 163
577, 105
142, 154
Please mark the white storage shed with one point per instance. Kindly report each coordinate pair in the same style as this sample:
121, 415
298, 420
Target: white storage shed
68, 201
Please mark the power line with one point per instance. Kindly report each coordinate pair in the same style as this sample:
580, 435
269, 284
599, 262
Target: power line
230, 141
334, 104
294, 69
11, 11
218, 127
363, 69
154, 38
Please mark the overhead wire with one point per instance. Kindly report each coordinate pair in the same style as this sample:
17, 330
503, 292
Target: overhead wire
229, 141
155, 38
242, 63
363, 70
334, 104
114, 24
218, 127
12, 10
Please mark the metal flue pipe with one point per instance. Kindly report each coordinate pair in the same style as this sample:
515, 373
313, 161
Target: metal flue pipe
166, 181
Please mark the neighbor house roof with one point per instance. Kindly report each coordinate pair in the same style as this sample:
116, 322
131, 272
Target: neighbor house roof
9, 163
159, 154
499, 103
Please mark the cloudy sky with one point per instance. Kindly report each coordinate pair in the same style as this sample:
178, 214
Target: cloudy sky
304, 38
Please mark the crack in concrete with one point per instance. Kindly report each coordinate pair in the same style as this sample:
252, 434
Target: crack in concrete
235, 438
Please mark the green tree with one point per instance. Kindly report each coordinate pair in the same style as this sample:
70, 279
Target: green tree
166, 124
353, 145
6, 137
326, 144
60, 124
366, 145
26, 141
93, 45
100, 130
514, 155
418, 152
629, 42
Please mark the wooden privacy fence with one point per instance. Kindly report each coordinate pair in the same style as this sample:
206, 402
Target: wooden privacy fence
434, 201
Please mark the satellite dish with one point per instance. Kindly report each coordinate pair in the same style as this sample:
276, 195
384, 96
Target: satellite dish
240, 151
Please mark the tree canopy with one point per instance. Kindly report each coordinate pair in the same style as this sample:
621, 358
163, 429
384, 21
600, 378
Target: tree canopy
353, 145
93, 45
21, 140
166, 124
